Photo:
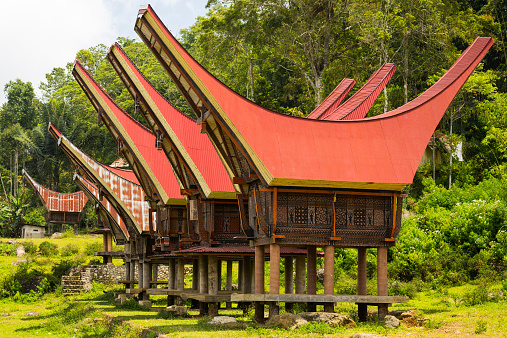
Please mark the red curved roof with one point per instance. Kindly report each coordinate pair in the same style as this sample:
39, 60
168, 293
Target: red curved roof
382, 152
57, 201
358, 105
152, 167
185, 135
115, 221
333, 100
126, 196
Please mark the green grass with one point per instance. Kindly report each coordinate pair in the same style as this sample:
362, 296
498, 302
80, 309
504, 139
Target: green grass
455, 311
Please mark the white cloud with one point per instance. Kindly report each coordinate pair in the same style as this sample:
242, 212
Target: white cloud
40, 35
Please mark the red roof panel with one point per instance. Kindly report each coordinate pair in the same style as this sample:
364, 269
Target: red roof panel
257, 130
152, 163
197, 145
124, 189
58, 201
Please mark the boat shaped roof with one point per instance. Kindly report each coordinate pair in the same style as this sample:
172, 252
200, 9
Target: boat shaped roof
380, 153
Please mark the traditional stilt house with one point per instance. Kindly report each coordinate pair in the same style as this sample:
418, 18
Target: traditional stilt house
112, 225
121, 189
153, 170
61, 208
215, 212
308, 182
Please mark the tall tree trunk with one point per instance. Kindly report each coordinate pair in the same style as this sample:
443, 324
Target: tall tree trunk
16, 157
318, 89
250, 74
451, 149
10, 174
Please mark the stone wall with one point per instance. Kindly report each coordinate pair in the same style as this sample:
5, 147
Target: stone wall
110, 273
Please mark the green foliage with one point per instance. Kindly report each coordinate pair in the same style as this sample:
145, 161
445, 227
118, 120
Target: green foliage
12, 211
481, 327
30, 247
93, 247
48, 249
7, 249
69, 250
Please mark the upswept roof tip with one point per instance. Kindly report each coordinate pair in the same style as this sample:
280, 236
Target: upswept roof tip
379, 153
150, 164
185, 135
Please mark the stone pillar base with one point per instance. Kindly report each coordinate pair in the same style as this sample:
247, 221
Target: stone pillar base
145, 303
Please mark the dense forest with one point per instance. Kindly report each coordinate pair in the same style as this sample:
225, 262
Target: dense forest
288, 56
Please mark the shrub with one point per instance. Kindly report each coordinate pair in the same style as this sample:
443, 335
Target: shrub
48, 249
70, 250
93, 247
30, 248
7, 249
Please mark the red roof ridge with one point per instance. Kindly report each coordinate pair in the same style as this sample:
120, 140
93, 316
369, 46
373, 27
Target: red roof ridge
358, 105
333, 100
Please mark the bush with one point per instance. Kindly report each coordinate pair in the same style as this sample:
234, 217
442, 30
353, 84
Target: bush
70, 250
30, 248
48, 249
7, 249
93, 247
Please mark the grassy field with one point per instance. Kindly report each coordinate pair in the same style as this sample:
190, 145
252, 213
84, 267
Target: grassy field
472, 309
89, 315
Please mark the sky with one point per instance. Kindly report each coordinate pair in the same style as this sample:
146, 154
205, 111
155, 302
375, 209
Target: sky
39, 35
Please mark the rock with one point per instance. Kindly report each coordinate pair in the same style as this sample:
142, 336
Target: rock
12, 242
496, 294
21, 261
408, 314
5, 314
32, 314
177, 310
286, 321
56, 235
223, 320
333, 319
145, 303
391, 321
367, 335
320, 275
87, 286
20, 251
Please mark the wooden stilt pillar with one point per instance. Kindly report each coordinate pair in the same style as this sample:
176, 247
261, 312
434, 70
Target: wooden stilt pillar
127, 273
180, 275
274, 277
382, 279
213, 286
171, 279
219, 274
259, 282
252, 273
146, 275
140, 274
300, 275
203, 283
329, 275
361, 282
247, 275
195, 282
154, 272
132, 273
240, 275
228, 283
289, 281
108, 246
311, 274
